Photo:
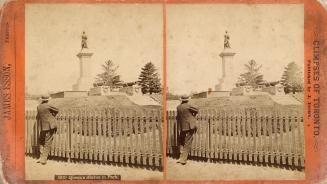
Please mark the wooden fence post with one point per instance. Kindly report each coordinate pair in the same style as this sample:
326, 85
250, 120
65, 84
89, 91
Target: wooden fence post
160, 127
69, 137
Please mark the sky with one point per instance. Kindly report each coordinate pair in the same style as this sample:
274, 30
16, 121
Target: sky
272, 35
132, 35
129, 34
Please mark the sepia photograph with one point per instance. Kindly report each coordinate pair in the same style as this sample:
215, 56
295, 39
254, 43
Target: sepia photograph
163, 91
94, 91
235, 92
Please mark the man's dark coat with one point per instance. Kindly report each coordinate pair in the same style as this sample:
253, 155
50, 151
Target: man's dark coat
186, 116
46, 116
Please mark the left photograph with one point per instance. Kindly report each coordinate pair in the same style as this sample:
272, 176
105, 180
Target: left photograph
93, 91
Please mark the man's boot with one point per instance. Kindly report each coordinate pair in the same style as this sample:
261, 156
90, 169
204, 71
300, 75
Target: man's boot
181, 159
44, 155
181, 151
43, 159
41, 152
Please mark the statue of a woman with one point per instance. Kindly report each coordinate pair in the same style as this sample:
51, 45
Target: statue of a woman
84, 39
226, 41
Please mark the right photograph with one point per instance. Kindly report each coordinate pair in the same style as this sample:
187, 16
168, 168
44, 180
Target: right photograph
235, 101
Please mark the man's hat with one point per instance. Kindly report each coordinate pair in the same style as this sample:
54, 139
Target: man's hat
44, 98
185, 98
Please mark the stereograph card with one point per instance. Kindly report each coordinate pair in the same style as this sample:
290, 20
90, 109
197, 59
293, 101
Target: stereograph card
163, 91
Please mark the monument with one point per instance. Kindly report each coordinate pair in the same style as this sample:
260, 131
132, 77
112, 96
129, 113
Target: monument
229, 76
85, 80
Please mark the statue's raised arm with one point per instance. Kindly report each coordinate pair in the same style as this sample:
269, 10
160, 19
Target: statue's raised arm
226, 40
84, 41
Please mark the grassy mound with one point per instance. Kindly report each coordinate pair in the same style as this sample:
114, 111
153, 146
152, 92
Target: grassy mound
97, 102
241, 102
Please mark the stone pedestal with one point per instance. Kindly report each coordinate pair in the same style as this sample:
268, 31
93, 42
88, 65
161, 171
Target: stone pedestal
275, 90
229, 76
242, 90
132, 90
85, 80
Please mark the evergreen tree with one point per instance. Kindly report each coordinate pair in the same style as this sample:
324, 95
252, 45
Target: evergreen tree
109, 76
149, 79
292, 78
252, 76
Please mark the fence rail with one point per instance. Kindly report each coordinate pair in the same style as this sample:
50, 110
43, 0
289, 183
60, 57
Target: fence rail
110, 136
251, 135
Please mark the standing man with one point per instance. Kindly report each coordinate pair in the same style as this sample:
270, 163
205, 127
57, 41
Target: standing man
46, 123
187, 124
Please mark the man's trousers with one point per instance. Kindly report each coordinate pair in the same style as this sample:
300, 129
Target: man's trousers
186, 139
46, 139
